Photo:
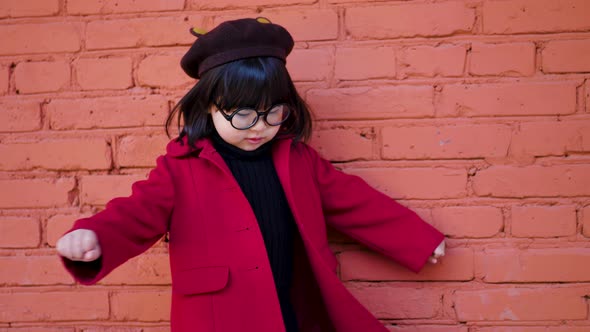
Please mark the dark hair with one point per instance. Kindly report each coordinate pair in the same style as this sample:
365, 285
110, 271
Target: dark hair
254, 82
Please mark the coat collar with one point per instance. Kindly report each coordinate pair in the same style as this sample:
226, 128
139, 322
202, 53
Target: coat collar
178, 147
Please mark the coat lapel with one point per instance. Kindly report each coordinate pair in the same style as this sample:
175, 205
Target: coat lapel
281, 158
208, 152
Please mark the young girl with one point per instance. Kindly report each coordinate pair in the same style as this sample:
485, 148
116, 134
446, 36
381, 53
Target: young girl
245, 202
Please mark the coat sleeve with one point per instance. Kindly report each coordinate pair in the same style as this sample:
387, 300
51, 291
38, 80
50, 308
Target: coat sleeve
356, 209
128, 225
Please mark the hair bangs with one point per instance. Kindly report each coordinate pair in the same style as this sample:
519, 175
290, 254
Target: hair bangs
252, 82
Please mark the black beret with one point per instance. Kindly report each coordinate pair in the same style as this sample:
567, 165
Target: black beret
234, 40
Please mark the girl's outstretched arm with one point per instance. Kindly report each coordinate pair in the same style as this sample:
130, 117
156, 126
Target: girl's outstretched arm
356, 209
126, 227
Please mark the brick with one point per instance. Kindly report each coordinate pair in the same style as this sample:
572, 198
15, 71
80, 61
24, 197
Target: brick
551, 138
156, 329
126, 329
520, 304
19, 233
457, 265
99, 189
124, 33
505, 59
472, 100
104, 73
428, 328
4, 80
534, 265
534, 329
372, 103
33, 271
35, 193
24, 8
543, 221
521, 16
41, 306
422, 183
563, 56
394, 302
309, 65
468, 222
87, 7
38, 329
151, 68
446, 142
146, 269
586, 221
533, 181
227, 4
59, 224
141, 150
20, 115
344, 144
303, 25
364, 63
59, 154
409, 20
108, 112
430, 61
146, 306
39, 38
35, 77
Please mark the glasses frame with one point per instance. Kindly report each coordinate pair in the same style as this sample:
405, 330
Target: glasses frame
263, 114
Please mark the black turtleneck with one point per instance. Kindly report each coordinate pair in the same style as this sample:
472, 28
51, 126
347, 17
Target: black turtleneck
255, 173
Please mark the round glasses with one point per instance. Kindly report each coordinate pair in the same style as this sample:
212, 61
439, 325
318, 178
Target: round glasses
246, 117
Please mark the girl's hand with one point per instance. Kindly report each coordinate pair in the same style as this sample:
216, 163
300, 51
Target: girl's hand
79, 245
438, 252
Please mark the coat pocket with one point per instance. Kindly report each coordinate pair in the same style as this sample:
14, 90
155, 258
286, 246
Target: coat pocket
201, 280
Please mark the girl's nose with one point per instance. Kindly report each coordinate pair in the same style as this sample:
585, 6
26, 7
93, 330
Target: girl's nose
259, 125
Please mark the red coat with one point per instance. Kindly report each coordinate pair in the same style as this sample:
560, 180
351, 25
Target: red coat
221, 276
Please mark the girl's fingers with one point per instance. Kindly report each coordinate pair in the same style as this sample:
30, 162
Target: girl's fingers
440, 250
91, 255
79, 245
88, 241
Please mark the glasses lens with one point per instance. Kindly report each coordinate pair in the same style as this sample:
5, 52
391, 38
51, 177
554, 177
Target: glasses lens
277, 115
245, 118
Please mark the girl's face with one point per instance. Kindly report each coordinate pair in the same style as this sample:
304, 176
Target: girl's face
249, 139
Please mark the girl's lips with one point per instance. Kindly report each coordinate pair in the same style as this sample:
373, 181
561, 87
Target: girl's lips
254, 140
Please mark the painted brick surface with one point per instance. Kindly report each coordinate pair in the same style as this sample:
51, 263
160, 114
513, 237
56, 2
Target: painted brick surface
43, 76
104, 74
474, 114
4, 79
428, 61
507, 59
20, 115
19, 233
107, 112
468, 222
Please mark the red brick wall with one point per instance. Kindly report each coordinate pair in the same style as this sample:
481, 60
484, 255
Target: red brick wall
474, 113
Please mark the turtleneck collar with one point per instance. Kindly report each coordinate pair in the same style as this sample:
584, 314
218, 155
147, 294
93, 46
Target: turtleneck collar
233, 152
